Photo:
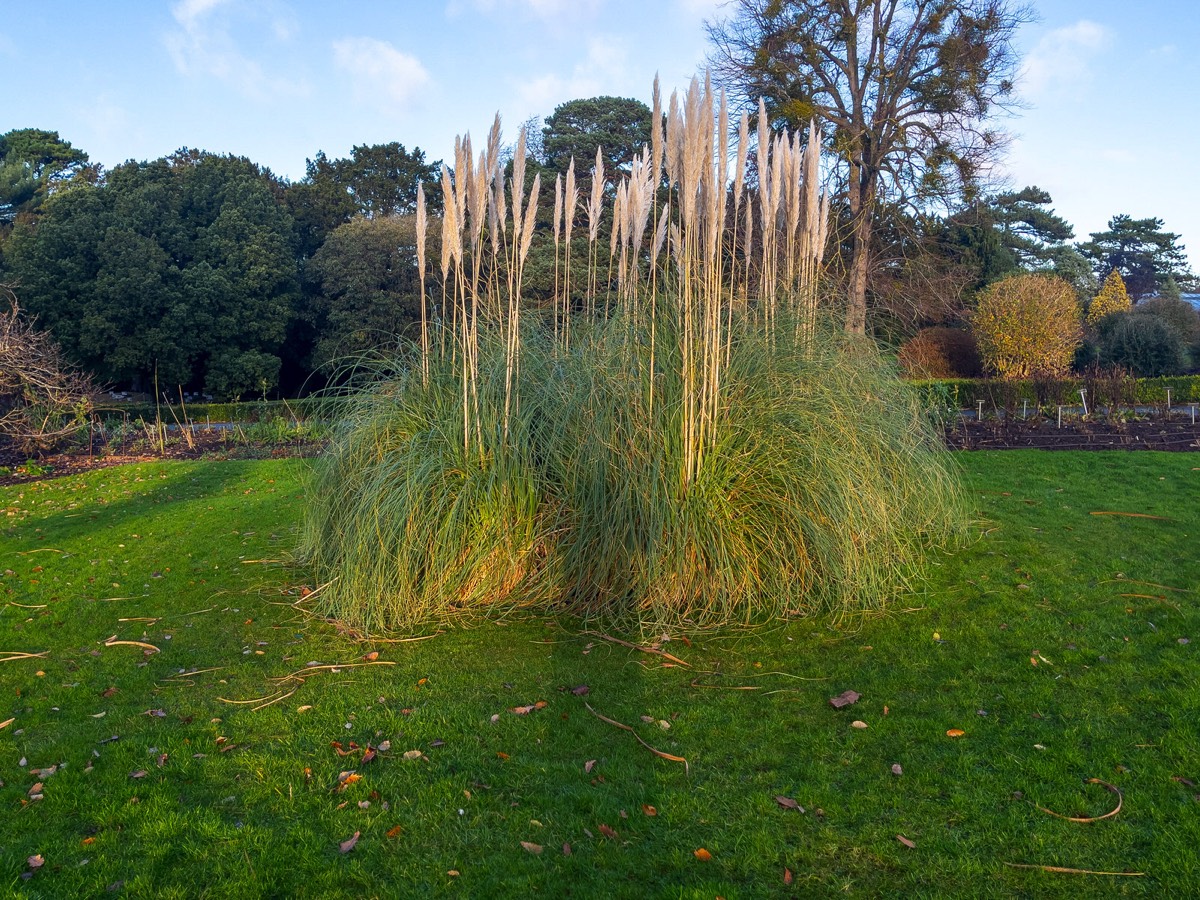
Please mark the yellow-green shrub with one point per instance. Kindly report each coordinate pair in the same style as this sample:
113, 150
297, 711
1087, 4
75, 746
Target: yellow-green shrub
1113, 298
1027, 324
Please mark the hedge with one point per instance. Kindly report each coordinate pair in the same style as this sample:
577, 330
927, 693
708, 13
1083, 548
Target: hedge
199, 413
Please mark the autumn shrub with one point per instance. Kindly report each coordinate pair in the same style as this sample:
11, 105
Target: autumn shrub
1026, 324
1112, 299
941, 353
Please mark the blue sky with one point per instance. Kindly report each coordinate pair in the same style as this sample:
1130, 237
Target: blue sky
1112, 124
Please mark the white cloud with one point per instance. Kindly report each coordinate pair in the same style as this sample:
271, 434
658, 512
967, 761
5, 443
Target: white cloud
1062, 59
603, 70
381, 72
203, 45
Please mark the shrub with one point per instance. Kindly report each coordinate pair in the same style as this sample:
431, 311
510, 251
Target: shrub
1146, 345
1112, 299
44, 402
941, 353
1176, 312
1026, 324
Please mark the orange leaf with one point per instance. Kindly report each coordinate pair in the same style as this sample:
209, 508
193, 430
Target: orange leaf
787, 876
394, 831
453, 873
500, 755
649, 810
955, 732
702, 855
372, 656
347, 845
608, 832
88, 840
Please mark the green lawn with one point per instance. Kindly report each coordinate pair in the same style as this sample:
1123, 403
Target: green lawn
164, 789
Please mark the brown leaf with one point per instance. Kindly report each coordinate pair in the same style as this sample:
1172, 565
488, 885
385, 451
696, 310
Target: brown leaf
413, 754
345, 779
533, 848
702, 855
162, 760
36, 861
501, 755
581, 690
589, 765
522, 710
348, 844
858, 723
787, 876
566, 849
453, 873
108, 692
844, 699
789, 803
911, 845
608, 832
372, 656
394, 831
36, 789
955, 733
648, 719
896, 770
140, 773
649, 810
1182, 780
368, 754
155, 713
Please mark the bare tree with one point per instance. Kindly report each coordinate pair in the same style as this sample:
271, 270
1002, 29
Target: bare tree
44, 401
910, 87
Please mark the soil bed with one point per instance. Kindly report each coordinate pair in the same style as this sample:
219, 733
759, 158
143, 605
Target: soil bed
1075, 434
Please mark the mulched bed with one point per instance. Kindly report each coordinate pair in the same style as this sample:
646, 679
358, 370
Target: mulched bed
1075, 434
207, 446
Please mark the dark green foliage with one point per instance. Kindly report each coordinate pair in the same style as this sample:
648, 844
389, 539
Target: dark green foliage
184, 266
1176, 312
1144, 254
1032, 232
369, 293
32, 163
619, 127
1146, 345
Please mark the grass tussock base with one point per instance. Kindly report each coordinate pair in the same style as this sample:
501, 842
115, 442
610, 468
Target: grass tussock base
821, 490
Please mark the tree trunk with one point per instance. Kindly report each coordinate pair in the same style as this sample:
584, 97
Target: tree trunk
861, 212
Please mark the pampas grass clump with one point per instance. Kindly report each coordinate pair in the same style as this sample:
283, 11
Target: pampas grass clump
686, 445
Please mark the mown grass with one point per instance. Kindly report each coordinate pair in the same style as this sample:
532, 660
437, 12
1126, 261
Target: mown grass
1111, 697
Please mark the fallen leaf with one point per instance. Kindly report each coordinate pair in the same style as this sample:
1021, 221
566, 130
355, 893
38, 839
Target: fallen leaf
345, 779
453, 873
955, 733
649, 810
702, 855
384, 746
88, 840
566, 849
347, 845
108, 692
501, 755
99, 715
394, 831
787, 876
36, 789
541, 704
896, 770
647, 719
789, 803
533, 848
7, 722
140, 773
858, 723
1182, 780
368, 755
372, 656
437, 743
911, 845
304, 708
581, 690
608, 832
412, 754
36, 861
589, 765
162, 760
155, 713
522, 710
844, 699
